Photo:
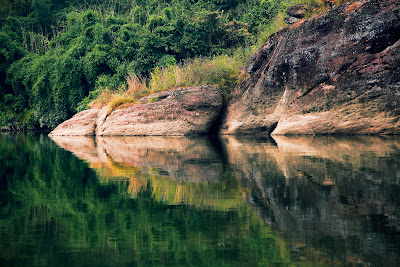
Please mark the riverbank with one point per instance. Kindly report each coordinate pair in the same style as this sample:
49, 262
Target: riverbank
335, 73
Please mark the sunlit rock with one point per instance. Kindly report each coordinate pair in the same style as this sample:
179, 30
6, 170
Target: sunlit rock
82, 124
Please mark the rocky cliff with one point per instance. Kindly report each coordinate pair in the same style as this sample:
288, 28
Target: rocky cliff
337, 73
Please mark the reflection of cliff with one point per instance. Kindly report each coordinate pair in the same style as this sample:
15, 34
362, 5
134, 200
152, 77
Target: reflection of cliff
337, 195
311, 157
178, 169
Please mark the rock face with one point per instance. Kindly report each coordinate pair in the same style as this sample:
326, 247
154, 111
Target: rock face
295, 13
183, 111
82, 124
338, 73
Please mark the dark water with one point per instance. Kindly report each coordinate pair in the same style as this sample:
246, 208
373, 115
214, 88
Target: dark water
225, 201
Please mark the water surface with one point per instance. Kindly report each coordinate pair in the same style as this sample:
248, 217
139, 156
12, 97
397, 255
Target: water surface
199, 201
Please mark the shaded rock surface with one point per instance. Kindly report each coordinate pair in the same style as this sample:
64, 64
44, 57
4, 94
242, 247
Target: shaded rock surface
290, 20
338, 73
182, 111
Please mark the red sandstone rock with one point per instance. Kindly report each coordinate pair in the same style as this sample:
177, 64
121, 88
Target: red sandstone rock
83, 124
183, 111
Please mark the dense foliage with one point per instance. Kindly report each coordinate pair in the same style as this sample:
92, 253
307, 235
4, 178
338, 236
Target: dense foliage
54, 53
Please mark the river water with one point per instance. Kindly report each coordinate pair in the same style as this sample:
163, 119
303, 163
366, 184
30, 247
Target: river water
220, 201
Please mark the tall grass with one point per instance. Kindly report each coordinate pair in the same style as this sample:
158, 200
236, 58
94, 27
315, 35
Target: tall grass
221, 71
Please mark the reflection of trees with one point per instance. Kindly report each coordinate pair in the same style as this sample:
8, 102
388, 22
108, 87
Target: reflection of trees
55, 211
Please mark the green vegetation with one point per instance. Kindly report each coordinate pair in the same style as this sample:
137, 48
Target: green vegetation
57, 57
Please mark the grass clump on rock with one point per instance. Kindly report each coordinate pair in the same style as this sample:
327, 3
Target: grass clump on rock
221, 71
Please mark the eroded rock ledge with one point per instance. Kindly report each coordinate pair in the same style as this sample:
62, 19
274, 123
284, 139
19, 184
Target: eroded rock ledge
183, 111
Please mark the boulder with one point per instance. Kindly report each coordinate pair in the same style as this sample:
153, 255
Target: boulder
182, 111
337, 73
297, 11
82, 124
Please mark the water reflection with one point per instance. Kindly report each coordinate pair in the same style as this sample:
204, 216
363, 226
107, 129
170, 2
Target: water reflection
337, 196
183, 159
334, 199
55, 211
179, 170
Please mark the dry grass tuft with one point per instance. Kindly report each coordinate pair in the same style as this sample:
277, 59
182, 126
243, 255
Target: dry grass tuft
117, 100
136, 86
221, 71
102, 99
353, 7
